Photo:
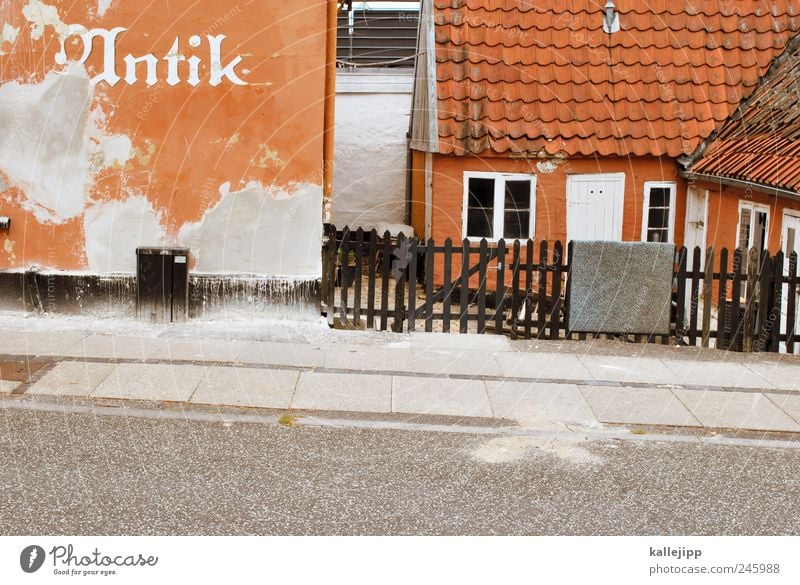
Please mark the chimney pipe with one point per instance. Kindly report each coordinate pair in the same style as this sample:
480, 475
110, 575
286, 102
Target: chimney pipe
610, 18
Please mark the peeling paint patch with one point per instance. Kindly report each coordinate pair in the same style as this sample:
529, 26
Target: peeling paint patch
8, 248
266, 156
102, 6
40, 16
113, 231
549, 166
255, 231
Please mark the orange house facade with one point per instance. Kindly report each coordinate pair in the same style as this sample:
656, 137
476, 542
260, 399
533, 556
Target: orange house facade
194, 124
577, 121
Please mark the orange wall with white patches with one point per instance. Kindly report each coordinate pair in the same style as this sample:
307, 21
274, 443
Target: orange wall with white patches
90, 172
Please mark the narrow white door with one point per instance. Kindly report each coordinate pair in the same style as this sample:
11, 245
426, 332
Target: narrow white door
696, 217
594, 207
790, 242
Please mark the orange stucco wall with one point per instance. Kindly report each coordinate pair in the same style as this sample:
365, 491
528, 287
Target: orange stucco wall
232, 170
723, 214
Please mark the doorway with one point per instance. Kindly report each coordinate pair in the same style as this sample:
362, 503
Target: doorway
594, 207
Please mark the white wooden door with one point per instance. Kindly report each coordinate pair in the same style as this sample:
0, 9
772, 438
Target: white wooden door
696, 217
594, 207
790, 242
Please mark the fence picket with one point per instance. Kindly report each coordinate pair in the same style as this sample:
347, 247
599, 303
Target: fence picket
358, 279
748, 322
372, 270
791, 303
400, 283
463, 305
542, 304
708, 288
344, 266
764, 304
448, 285
500, 288
386, 263
777, 302
555, 317
695, 296
723, 320
430, 250
736, 292
329, 275
412, 284
680, 311
483, 254
515, 290
528, 289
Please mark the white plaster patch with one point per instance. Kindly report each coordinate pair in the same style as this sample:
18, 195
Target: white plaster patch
52, 142
8, 248
510, 449
549, 166
260, 230
113, 231
9, 34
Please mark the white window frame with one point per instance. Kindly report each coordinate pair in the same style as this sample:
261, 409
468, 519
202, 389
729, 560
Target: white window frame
754, 208
673, 193
498, 226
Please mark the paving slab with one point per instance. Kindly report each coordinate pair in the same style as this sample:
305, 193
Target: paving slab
422, 340
723, 374
642, 406
628, 369
440, 396
211, 350
284, 354
117, 347
347, 392
260, 388
72, 379
790, 404
536, 403
369, 358
32, 343
783, 375
162, 382
736, 410
543, 366
449, 361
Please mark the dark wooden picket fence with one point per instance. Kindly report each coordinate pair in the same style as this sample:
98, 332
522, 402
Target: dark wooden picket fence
375, 281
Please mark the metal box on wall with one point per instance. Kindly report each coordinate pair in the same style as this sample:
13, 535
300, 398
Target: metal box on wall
162, 284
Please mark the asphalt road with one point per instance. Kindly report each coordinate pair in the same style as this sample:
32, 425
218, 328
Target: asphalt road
84, 474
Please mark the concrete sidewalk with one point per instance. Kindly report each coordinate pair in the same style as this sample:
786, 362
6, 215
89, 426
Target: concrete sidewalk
536, 384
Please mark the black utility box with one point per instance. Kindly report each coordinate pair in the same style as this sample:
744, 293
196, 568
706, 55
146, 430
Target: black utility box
162, 284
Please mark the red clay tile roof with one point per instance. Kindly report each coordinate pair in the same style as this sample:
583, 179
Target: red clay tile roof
532, 76
761, 143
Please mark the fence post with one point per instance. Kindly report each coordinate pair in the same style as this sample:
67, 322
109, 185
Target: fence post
528, 289
723, 316
567, 332
750, 300
500, 288
736, 329
329, 272
344, 263
765, 296
708, 287
400, 282
555, 316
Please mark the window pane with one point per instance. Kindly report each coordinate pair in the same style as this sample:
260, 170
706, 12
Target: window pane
481, 192
659, 219
659, 197
744, 228
518, 194
517, 224
480, 222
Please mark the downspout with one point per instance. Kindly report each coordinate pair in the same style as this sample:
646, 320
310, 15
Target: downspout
329, 120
